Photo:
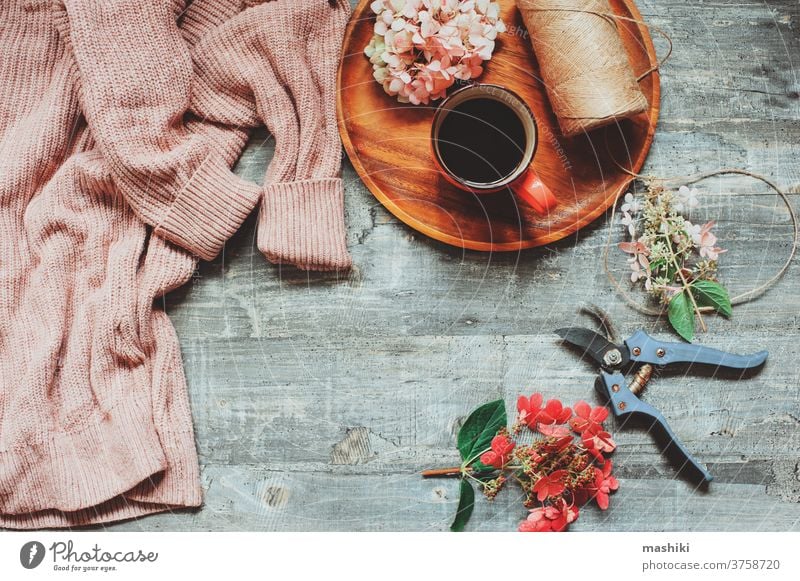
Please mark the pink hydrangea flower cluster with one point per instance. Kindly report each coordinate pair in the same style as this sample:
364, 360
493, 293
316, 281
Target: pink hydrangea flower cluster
421, 47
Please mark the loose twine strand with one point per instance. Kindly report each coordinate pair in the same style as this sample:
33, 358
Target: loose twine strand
528, 6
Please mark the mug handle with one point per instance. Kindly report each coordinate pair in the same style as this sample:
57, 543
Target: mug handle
531, 190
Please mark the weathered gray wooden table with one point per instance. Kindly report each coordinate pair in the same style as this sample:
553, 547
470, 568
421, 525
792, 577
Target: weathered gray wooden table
318, 399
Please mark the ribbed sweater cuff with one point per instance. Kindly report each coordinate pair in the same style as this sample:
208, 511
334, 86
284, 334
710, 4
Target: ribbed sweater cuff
209, 209
302, 223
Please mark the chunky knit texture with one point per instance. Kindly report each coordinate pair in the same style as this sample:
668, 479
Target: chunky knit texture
119, 122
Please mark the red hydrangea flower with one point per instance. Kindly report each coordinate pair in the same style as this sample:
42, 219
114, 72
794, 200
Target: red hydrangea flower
588, 422
554, 413
554, 430
550, 485
500, 453
549, 519
570, 513
604, 484
599, 442
588, 419
550, 420
529, 409
543, 520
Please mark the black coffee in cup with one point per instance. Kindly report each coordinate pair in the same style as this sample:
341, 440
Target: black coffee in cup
482, 140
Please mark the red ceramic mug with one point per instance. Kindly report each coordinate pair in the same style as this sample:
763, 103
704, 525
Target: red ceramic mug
484, 138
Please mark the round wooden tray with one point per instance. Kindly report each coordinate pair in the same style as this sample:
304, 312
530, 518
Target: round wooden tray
389, 145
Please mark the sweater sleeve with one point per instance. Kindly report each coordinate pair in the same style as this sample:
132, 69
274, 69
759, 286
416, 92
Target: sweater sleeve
276, 63
135, 73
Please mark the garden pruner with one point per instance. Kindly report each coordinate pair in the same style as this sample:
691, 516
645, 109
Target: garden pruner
644, 352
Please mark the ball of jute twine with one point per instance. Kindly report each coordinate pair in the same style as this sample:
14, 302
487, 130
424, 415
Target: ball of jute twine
583, 63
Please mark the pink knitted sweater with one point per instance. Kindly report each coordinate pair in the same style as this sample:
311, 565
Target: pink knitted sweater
119, 122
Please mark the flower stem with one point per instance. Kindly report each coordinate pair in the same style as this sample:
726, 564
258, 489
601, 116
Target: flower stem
686, 286
440, 472
455, 470
471, 477
458, 471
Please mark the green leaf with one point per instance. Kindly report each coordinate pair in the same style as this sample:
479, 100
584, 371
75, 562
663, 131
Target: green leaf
481, 426
466, 503
681, 315
712, 294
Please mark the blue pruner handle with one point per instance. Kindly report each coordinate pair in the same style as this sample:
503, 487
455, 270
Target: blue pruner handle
645, 349
624, 404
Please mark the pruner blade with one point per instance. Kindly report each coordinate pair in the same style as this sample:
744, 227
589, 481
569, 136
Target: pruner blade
605, 353
624, 404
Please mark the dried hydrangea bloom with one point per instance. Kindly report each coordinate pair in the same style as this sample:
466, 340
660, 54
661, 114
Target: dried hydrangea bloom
420, 48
